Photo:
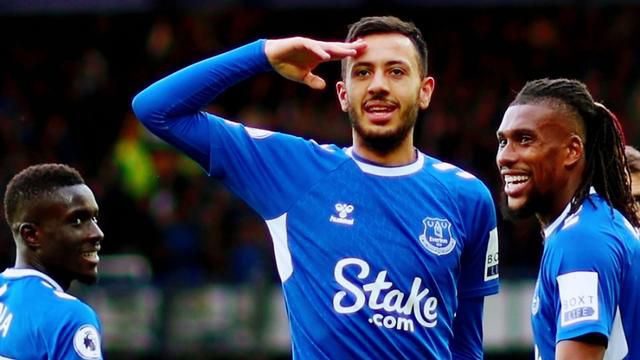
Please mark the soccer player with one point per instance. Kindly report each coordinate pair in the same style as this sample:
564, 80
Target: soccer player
383, 252
561, 157
52, 215
633, 160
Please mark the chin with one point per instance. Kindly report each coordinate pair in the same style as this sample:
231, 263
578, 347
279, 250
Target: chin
520, 211
383, 139
88, 279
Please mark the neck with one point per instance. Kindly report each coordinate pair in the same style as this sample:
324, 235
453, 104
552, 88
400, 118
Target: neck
23, 262
558, 203
403, 154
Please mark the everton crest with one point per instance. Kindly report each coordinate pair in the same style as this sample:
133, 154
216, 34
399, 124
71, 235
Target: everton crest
436, 236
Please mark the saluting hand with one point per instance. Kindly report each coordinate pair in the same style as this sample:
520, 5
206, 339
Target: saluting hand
296, 57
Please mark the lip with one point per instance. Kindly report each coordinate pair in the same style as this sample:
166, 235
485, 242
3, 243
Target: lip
379, 112
91, 255
515, 183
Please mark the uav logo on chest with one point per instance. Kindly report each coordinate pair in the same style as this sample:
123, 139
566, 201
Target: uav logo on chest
437, 237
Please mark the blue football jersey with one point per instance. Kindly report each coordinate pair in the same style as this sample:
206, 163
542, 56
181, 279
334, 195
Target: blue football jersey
38, 320
589, 281
373, 260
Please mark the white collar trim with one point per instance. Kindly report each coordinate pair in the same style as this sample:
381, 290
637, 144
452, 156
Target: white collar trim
554, 225
409, 169
18, 273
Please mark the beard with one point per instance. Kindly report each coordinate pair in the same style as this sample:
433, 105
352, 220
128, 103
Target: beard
524, 212
384, 142
536, 203
87, 279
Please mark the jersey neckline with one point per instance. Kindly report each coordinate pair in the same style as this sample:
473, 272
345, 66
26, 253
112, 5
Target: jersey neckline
14, 273
554, 225
388, 171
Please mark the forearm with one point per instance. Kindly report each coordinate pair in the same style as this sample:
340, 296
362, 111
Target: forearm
586, 348
187, 91
170, 108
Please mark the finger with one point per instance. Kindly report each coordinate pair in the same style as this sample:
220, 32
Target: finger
356, 44
342, 50
319, 51
314, 81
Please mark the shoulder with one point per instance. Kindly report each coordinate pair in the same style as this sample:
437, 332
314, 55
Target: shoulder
589, 239
62, 307
54, 309
74, 325
457, 181
593, 220
280, 140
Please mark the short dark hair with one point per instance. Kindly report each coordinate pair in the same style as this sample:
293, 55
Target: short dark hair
605, 166
633, 158
34, 182
389, 24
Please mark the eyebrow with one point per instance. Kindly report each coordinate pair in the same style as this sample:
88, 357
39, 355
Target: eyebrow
83, 212
388, 63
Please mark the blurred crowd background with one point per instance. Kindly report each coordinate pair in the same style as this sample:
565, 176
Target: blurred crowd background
188, 268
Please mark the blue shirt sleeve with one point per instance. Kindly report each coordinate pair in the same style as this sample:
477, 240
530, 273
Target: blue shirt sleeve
479, 273
467, 329
584, 270
171, 108
76, 332
261, 167
268, 170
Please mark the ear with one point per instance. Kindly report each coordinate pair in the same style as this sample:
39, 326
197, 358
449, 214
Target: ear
29, 234
343, 97
427, 86
575, 150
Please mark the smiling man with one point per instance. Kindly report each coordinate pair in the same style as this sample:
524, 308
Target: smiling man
52, 215
561, 157
383, 252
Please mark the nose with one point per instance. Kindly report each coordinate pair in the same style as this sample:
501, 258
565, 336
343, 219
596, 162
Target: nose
506, 156
378, 83
95, 233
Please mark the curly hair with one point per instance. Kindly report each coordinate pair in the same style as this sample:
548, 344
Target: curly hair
34, 182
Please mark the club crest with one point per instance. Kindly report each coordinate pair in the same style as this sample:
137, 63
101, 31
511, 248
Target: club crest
535, 302
436, 236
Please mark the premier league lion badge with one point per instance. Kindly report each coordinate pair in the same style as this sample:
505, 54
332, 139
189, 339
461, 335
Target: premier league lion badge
436, 236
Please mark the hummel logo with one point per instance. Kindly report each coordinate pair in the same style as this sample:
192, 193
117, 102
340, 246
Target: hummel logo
344, 211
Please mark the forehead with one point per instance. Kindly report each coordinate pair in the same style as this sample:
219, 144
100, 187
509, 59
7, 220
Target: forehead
72, 197
76, 193
531, 117
386, 48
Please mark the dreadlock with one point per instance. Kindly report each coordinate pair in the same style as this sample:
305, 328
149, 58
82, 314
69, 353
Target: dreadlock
605, 163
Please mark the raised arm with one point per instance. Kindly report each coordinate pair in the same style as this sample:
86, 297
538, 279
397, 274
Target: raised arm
171, 107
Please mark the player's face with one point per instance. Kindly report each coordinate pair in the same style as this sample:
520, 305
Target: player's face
69, 235
383, 91
635, 188
531, 158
